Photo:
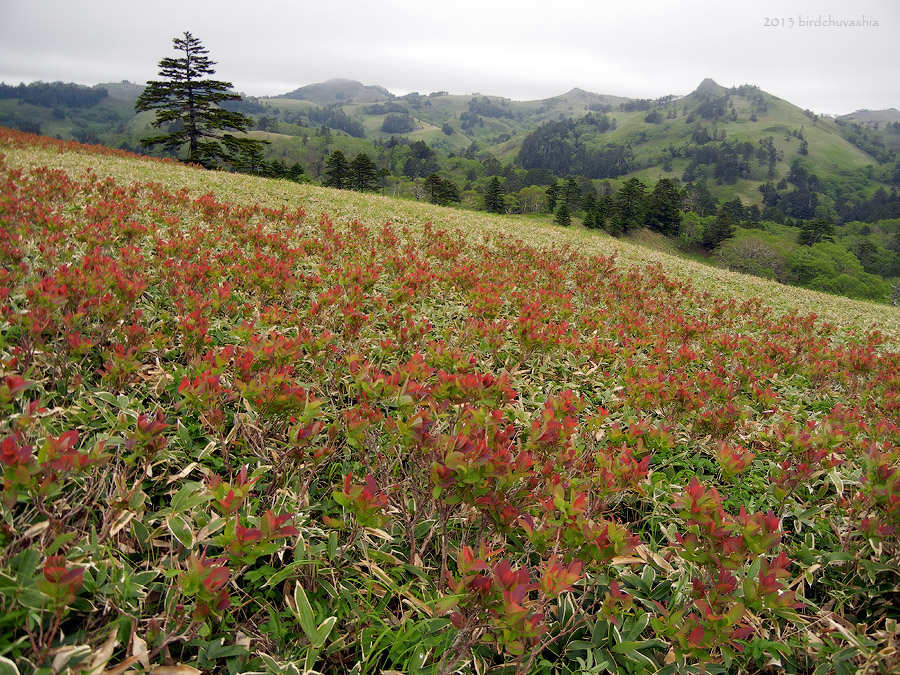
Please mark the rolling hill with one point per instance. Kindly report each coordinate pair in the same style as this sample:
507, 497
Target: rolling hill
339, 91
483, 125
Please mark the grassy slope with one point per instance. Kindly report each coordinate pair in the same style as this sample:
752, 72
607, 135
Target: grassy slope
380, 590
373, 210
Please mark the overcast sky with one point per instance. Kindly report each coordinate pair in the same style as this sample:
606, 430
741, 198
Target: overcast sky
521, 49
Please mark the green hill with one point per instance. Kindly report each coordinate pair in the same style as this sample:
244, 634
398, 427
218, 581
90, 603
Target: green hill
482, 125
734, 120
339, 91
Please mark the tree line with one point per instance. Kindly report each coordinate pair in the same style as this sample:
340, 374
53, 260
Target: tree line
53, 94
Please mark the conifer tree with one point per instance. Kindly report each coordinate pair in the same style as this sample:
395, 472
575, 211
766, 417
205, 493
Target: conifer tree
589, 220
190, 108
814, 231
563, 217
337, 171
553, 193
718, 230
571, 192
493, 198
630, 205
363, 174
664, 206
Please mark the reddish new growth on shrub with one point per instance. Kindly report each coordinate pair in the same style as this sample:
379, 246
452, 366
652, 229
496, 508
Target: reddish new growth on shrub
224, 420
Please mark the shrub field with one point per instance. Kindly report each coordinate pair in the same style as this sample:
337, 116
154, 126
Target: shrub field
241, 438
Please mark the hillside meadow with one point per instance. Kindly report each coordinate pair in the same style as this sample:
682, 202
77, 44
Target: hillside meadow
254, 426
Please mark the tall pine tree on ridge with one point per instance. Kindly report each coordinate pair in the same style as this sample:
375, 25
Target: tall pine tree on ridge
190, 106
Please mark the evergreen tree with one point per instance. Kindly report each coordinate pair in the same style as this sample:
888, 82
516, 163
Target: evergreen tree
590, 221
563, 217
492, 166
441, 191
337, 171
814, 231
383, 174
189, 107
448, 193
699, 199
753, 213
736, 208
362, 173
630, 205
433, 185
664, 207
493, 198
295, 172
602, 211
572, 192
718, 230
615, 226
553, 193
244, 157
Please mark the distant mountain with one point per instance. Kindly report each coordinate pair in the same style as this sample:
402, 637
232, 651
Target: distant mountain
869, 117
709, 86
740, 141
340, 91
585, 98
124, 90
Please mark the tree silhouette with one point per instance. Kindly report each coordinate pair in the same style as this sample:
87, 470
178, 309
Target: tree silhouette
718, 230
189, 106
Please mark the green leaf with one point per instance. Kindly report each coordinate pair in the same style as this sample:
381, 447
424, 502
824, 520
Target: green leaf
315, 634
140, 531
565, 610
59, 542
843, 668
145, 577
578, 646
218, 650
106, 397
324, 630
180, 530
186, 498
332, 544
625, 647
636, 626
282, 574
7, 667
7, 583
606, 658
600, 632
